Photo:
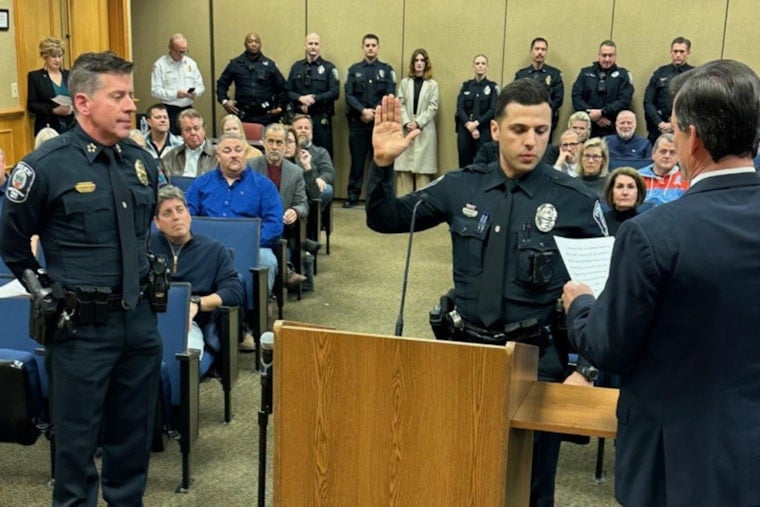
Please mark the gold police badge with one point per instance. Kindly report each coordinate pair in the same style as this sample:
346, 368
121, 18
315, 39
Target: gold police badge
141, 173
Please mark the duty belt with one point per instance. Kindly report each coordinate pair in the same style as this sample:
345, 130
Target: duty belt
528, 331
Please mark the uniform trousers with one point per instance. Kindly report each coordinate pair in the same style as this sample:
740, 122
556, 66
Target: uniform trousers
468, 147
104, 383
322, 132
360, 146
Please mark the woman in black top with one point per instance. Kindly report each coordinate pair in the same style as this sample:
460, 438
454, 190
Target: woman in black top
48, 95
476, 107
624, 193
594, 159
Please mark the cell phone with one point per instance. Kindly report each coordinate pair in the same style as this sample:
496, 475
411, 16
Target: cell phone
191, 90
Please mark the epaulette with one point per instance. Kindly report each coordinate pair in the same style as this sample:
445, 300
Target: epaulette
569, 182
480, 168
50, 146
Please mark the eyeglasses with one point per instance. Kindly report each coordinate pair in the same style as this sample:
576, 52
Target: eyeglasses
180, 52
568, 145
594, 157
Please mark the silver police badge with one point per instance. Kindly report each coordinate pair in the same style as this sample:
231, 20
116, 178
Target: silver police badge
546, 217
141, 173
487, 90
321, 69
615, 74
548, 80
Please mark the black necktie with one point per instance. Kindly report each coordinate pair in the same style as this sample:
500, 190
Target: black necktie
492, 277
123, 205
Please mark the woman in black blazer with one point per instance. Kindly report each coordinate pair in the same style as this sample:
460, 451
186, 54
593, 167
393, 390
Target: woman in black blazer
47, 83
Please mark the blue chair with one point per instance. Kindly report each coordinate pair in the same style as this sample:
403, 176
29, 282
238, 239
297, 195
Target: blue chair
182, 182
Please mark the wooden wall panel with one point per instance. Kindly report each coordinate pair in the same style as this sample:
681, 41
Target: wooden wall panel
88, 26
13, 135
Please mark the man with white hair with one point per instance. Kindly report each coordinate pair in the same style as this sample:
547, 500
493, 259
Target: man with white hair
625, 144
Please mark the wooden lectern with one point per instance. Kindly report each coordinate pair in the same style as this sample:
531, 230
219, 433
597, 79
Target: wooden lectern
378, 420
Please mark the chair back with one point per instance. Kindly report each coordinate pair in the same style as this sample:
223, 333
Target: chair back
173, 326
254, 133
183, 182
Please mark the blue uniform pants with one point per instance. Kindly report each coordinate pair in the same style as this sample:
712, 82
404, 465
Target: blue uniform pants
104, 381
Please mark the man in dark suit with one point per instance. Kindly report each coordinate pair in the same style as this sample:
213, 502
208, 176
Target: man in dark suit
679, 321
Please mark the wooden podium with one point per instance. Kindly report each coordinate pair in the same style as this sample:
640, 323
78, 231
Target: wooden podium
378, 420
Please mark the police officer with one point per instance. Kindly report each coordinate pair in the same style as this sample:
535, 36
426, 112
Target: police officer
657, 103
90, 195
366, 84
476, 104
313, 88
603, 90
550, 76
260, 88
503, 217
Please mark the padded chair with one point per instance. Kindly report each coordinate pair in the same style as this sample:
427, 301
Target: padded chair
254, 133
241, 236
182, 182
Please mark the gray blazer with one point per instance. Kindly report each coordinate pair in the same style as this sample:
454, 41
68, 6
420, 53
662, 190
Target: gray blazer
292, 186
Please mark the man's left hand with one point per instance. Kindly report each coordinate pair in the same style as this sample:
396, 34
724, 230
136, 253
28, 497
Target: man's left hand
572, 290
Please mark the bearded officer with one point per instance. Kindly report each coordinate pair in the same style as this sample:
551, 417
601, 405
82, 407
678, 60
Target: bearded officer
503, 217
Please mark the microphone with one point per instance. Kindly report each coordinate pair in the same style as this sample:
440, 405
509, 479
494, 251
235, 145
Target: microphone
267, 370
400, 320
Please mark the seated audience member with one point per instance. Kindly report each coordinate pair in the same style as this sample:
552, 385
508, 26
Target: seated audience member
202, 261
231, 124
625, 144
197, 155
594, 162
624, 194
567, 160
233, 189
288, 178
663, 178
45, 134
580, 123
159, 139
318, 167
138, 138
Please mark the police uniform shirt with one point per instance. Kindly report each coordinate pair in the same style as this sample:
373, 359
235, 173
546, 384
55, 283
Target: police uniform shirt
614, 95
168, 76
479, 203
62, 191
477, 101
319, 78
366, 84
657, 105
551, 77
258, 82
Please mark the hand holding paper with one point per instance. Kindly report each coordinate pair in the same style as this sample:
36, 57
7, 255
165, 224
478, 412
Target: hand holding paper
588, 263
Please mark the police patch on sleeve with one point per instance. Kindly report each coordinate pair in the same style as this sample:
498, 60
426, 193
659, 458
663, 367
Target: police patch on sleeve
20, 183
335, 74
599, 218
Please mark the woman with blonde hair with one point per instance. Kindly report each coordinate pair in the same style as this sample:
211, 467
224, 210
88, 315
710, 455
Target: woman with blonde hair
231, 124
594, 160
48, 96
45, 134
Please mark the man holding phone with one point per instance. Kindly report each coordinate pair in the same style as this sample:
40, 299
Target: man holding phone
175, 80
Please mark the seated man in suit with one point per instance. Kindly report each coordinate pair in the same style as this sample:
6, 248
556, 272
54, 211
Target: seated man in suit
197, 155
233, 189
202, 261
625, 144
288, 178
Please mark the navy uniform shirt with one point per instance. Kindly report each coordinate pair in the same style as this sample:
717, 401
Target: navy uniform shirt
657, 103
614, 95
366, 84
319, 78
477, 101
259, 84
551, 77
62, 191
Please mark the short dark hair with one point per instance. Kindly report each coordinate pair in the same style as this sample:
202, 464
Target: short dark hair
371, 36
525, 91
539, 39
721, 99
682, 40
641, 186
88, 67
608, 43
155, 107
167, 193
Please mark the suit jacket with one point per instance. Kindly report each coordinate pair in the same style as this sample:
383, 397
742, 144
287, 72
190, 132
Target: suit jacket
680, 323
421, 157
292, 185
38, 102
173, 161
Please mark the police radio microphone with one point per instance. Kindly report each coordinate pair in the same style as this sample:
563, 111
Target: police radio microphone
266, 372
400, 320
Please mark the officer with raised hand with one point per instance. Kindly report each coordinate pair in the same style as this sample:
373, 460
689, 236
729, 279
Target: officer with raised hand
503, 217
90, 196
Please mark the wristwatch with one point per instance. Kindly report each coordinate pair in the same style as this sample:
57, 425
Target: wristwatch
589, 372
197, 301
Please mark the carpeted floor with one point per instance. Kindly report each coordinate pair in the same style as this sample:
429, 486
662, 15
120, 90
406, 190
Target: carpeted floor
358, 288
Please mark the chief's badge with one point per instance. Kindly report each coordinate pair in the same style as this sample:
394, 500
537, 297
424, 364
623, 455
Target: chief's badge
142, 174
381, 73
321, 69
487, 90
21, 181
546, 217
548, 80
91, 148
85, 187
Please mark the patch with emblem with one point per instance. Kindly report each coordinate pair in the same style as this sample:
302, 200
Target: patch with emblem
599, 218
142, 174
470, 210
321, 69
189, 68
393, 76
548, 80
546, 217
487, 90
20, 183
91, 148
85, 187
335, 73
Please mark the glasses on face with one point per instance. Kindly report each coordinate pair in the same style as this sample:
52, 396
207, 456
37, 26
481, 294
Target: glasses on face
181, 52
568, 145
594, 157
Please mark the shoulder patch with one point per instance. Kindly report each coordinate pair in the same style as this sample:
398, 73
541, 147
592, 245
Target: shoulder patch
599, 219
20, 183
335, 74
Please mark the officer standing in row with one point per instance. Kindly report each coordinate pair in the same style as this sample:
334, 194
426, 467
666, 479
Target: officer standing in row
89, 194
503, 217
260, 87
366, 84
313, 88
550, 76
657, 102
476, 105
